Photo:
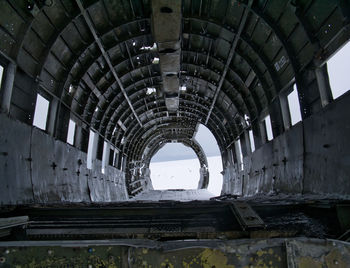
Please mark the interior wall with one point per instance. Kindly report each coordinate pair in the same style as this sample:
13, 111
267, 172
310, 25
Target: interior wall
36, 168
312, 157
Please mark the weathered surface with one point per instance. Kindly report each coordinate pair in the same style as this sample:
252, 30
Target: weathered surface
327, 146
311, 157
15, 167
166, 24
35, 168
293, 252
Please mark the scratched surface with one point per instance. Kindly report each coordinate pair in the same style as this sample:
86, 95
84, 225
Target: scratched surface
36, 168
293, 252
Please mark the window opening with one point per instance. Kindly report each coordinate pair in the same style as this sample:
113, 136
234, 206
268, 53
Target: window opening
338, 71
41, 111
105, 156
155, 60
251, 138
91, 149
71, 132
1, 73
175, 166
150, 90
239, 154
71, 89
175, 157
211, 148
268, 128
294, 106
151, 48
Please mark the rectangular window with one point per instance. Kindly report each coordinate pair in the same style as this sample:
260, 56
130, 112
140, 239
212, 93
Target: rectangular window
239, 154
105, 156
294, 106
269, 134
71, 132
91, 149
41, 111
1, 73
338, 71
251, 138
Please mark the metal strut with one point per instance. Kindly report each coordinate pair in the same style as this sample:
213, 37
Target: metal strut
229, 58
106, 57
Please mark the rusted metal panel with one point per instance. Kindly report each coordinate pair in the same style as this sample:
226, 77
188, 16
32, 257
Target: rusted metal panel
289, 253
317, 253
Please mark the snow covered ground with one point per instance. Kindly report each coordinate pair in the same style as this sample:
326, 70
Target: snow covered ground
165, 195
184, 174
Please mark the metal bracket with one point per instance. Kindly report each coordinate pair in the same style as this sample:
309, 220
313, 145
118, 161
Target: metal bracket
246, 216
7, 223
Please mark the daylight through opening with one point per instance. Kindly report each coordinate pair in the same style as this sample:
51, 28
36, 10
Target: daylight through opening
338, 68
175, 166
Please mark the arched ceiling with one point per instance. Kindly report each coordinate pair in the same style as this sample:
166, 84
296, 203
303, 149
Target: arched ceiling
97, 58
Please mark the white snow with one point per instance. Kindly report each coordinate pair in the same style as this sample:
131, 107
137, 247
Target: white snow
184, 174
175, 195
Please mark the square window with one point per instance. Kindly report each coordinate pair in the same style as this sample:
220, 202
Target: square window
41, 111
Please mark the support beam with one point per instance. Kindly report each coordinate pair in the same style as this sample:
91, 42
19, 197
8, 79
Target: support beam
229, 58
7, 87
51, 123
106, 57
287, 122
245, 144
323, 85
277, 123
166, 24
